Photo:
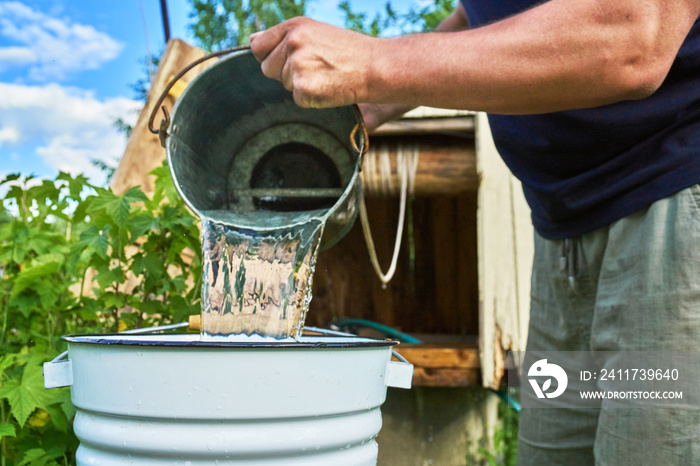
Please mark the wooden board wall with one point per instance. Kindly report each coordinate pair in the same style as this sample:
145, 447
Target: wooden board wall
437, 293
505, 237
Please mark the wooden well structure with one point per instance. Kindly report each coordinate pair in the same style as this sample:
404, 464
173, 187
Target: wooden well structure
462, 281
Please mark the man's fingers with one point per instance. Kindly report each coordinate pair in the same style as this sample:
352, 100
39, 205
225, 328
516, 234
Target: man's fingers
270, 49
264, 42
311, 60
286, 75
274, 64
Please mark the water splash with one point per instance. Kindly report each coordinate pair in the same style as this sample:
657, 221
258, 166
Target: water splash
257, 275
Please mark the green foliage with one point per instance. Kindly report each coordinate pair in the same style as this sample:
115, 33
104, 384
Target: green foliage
360, 22
389, 21
75, 258
141, 87
428, 18
504, 450
149, 65
220, 24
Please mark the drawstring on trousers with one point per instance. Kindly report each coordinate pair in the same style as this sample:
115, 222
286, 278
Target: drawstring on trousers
568, 262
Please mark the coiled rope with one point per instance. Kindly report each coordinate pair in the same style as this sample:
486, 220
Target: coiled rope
406, 167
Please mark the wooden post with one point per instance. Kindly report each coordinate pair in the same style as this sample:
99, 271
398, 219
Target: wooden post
505, 245
143, 151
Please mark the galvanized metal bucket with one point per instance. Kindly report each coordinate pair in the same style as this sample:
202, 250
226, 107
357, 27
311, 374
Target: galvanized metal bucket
236, 141
173, 399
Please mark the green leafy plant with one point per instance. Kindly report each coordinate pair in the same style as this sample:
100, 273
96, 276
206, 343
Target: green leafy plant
220, 24
504, 450
75, 258
389, 21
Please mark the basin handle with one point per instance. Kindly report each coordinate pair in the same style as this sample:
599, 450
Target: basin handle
59, 371
399, 374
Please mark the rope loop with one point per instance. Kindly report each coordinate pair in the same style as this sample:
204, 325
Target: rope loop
406, 167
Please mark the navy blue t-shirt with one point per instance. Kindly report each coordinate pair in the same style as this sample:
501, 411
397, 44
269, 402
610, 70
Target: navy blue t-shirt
584, 169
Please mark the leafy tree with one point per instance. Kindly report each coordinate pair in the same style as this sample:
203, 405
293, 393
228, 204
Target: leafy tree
390, 22
219, 24
149, 65
140, 89
375, 27
427, 18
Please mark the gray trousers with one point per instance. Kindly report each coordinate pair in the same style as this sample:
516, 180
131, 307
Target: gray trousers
631, 286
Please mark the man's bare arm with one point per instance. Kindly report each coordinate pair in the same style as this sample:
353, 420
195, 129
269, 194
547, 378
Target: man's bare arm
562, 54
376, 114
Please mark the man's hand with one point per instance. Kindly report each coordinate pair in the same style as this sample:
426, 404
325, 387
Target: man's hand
323, 65
559, 55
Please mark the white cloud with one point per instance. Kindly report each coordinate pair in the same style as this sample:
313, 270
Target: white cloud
51, 47
8, 135
69, 126
15, 56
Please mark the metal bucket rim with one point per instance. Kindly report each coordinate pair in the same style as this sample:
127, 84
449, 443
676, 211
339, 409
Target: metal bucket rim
352, 185
177, 341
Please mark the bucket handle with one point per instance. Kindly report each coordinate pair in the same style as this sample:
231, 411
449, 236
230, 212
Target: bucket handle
162, 131
360, 128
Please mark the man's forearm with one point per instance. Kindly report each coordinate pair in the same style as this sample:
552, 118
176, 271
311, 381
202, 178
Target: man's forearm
560, 55
376, 114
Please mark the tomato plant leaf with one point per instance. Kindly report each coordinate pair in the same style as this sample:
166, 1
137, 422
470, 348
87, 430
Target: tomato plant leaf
135, 195
76, 184
25, 304
7, 430
35, 457
116, 207
142, 223
93, 238
32, 276
149, 263
28, 395
107, 277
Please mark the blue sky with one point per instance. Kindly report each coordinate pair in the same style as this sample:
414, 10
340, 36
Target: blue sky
66, 70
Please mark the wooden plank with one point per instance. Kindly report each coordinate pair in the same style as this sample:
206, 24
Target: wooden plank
143, 151
420, 315
440, 365
467, 283
407, 126
434, 356
505, 259
446, 261
443, 365
447, 377
446, 165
